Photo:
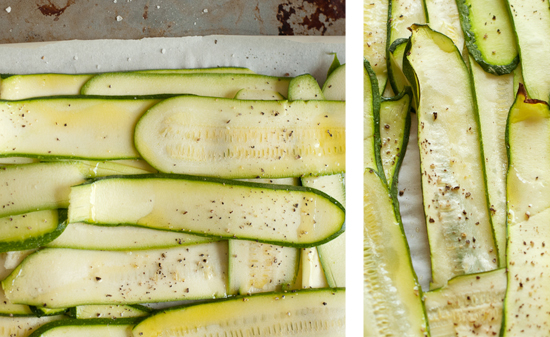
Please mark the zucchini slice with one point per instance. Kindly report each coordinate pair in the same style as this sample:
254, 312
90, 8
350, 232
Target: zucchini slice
99, 327
24, 326
531, 20
332, 255
469, 305
395, 126
371, 121
443, 17
109, 311
306, 313
257, 267
334, 87
313, 275
392, 295
75, 128
528, 199
12, 310
92, 237
398, 80
18, 87
494, 97
17, 160
401, 15
375, 34
48, 183
59, 278
489, 35
282, 215
243, 139
31, 230
259, 95
210, 84
456, 208
305, 87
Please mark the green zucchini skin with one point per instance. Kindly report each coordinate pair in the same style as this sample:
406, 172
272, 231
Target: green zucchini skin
224, 183
326, 304
397, 80
372, 124
104, 311
473, 42
41, 312
44, 329
37, 241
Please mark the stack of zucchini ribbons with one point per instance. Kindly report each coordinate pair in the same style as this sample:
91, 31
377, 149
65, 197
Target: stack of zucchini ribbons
121, 191
482, 189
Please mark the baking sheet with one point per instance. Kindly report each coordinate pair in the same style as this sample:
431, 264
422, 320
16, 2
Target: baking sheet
270, 55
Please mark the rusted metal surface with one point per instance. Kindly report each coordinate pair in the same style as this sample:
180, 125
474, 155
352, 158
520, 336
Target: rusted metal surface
54, 20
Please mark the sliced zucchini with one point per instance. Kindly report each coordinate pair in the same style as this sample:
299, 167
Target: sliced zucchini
109, 311
99, 327
250, 94
17, 160
203, 84
332, 255
280, 181
335, 85
371, 121
401, 15
443, 17
528, 200
58, 277
92, 237
494, 97
469, 305
48, 183
305, 87
77, 128
31, 230
392, 296
41, 312
305, 313
456, 208
531, 20
395, 125
313, 275
255, 267
489, 35
14, 258
282, 215
23, 326
17, 87
13, 310
375, 35
243, 139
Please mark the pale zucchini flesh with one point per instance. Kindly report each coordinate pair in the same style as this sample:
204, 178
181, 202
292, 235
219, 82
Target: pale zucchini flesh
313, 275
48, 183
257, 267
243, 139
334, 87
278, 214
13, 310
23, 326
398, 80
18, 87
109, 311
77, 128
494, 97
58, 277
216, 85
250, 94
392, 296
92, 237
453, 179
442, 16
306, 313
528, 200
305, 87
375, 18
468, 305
